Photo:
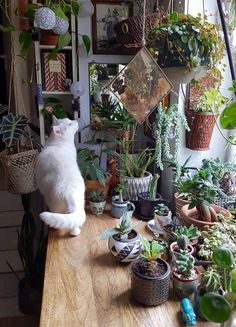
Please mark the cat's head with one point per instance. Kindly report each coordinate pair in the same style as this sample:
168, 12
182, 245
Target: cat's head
64, 127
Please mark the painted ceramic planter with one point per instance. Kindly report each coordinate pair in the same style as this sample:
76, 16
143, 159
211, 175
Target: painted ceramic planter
97, 208
136, 185
119, 208
161, 221
125, 250
184, 287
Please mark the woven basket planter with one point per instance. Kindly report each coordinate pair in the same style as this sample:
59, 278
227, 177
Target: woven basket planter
20, 171
129, 31
201, 129
150, 290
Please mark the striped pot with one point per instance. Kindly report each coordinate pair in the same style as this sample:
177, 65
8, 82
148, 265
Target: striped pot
136, 185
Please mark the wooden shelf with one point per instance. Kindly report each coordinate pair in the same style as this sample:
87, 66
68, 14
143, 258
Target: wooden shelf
56, 92
41, 46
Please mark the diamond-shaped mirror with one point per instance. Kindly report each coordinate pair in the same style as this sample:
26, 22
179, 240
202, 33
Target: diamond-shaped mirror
140, 85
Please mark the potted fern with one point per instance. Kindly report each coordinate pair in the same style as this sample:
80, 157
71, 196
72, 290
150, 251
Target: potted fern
119, 205
123, 240
147, 201
150, 275
19, 157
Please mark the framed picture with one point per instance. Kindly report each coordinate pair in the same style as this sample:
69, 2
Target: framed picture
106, 15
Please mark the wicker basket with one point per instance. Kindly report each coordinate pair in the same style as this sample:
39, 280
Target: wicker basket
20, 171
201, 129
129, 32
150, 290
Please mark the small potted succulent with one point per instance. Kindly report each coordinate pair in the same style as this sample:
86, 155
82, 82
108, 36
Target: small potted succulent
182, 244
118, 204
147, 201
191, 232
150, 275
162, 215
216, 307
185, 275
97, 202
123, 240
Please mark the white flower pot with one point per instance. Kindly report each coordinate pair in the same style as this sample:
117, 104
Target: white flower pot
97, 207
136, 185
45, 18
125, 250
61, 26
161, 221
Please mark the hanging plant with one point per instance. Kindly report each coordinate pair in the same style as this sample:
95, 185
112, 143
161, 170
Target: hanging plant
166, 118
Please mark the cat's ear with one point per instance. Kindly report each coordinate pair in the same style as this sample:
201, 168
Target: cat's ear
57, 130
54, 120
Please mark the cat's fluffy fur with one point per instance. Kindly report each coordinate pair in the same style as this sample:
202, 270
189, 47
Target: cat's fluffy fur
59, 178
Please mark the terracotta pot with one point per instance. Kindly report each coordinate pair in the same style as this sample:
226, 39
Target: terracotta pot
184, 287
175, 254
201, 129
48, 38
126, 249
179, 203
190, 216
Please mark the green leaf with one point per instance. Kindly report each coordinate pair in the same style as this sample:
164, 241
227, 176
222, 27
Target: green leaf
215, 307
222, 257
7, 28
233, 281
109, 232
59, 12
192, 44
174, 16
12, 127
30, 10
75, 8
228, 116
184, 38
63, 41
25, 41
87, 42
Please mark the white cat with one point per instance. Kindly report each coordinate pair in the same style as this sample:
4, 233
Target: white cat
59, 178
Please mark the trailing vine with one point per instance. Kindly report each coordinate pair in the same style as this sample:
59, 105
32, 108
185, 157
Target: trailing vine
168, 125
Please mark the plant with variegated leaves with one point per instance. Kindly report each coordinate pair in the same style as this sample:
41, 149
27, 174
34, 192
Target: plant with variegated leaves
12, 128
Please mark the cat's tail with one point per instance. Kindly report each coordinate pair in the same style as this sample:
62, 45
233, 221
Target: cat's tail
73, 220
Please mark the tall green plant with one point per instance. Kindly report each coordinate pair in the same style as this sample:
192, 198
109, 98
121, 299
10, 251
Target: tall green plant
153, 187
12, 128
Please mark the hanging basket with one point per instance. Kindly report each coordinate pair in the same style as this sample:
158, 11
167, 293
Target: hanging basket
129, 32
20, 171
201, 129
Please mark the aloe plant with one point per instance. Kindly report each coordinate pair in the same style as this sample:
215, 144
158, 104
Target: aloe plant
12, 128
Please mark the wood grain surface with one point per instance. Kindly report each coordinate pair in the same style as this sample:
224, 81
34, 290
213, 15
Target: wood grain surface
85, 287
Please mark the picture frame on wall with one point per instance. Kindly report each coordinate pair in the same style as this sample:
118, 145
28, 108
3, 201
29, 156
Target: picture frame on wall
106, 15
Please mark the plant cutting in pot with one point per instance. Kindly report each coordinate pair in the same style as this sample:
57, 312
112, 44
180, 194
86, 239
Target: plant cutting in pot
182, 244
147, 201
150, 279
185, 275
191, 232
217, 307
162, 216
123, 240
185, 40
118, 204
97, 202
19, 158
202, 118
202, 193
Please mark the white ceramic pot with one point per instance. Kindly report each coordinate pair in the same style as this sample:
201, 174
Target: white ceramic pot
136, 185
97, 207
45, 18
125, 250
161, 221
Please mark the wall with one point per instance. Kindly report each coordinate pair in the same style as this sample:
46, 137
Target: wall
217, 144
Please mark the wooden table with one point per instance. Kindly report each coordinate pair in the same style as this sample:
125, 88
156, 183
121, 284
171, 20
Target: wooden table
85, 287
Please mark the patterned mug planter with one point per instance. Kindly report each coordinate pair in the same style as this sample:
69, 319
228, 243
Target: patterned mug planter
127, 249
97, 208
119, 208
